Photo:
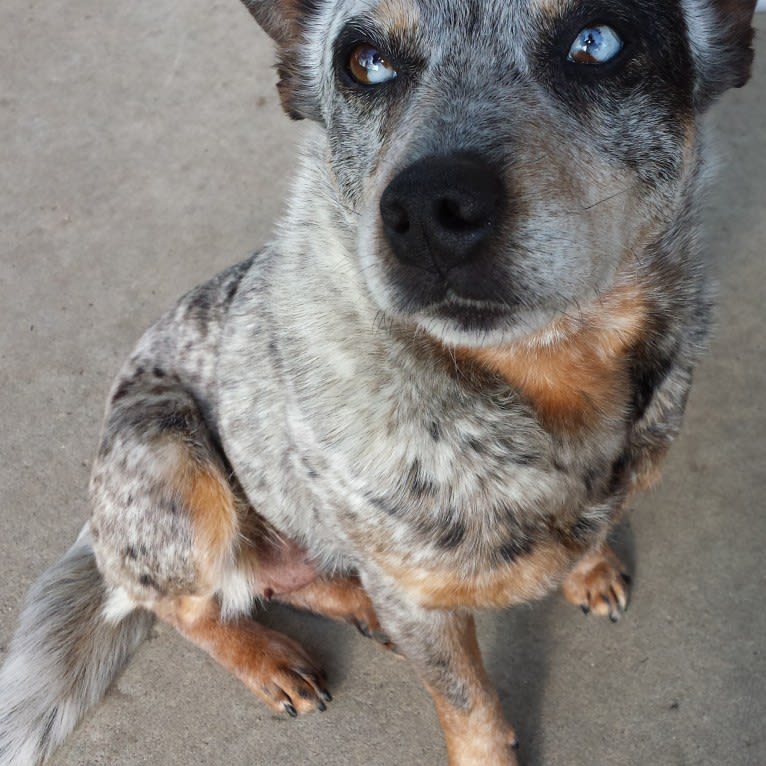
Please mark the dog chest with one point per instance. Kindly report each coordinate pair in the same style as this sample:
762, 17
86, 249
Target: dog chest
405, 461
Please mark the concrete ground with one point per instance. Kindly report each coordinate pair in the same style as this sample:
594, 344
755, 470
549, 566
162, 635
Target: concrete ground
142, 150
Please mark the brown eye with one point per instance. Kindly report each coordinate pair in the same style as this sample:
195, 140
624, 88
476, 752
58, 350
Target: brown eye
368, 66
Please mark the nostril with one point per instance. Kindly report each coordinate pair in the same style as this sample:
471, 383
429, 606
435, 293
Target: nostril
455, 214
399, 221
460, 214
395, 216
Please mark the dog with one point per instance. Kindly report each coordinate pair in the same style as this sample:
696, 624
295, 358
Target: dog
468, 346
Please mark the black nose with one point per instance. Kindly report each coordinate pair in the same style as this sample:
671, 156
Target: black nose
441, 211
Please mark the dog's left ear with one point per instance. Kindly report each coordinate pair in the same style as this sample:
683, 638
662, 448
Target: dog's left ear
721, 39
285, 22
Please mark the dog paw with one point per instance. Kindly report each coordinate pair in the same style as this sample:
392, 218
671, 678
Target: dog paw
343, 599
365, 620
599, 584
482, 748
287, 679
370, 628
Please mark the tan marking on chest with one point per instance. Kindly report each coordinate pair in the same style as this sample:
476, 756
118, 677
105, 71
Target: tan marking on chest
576, 370
527, 579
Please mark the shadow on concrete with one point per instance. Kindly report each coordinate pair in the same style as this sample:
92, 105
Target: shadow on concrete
518, 656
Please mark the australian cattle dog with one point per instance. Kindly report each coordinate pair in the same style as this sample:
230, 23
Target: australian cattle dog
469, 343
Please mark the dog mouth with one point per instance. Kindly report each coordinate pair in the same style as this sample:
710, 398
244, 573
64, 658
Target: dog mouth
472, 319
468, 314
474, 301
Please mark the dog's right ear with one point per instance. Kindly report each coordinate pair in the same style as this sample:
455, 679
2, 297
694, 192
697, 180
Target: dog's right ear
721, 37
285, 22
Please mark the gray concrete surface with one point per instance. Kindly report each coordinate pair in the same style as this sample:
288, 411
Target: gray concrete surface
142, 150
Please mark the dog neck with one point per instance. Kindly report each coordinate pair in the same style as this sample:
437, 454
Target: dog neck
574, 372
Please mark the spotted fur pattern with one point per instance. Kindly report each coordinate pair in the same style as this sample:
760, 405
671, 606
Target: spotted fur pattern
329, 402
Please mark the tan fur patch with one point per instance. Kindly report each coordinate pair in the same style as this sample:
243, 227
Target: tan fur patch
213, 511
527, 579
282, 21
337, 598
398, 16
211, 506
575, 371
185, 610
648, 473
552, 7
477, 739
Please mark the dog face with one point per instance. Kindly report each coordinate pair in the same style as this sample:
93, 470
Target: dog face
503, 161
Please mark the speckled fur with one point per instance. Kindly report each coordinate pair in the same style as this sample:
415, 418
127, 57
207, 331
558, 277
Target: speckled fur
345, 403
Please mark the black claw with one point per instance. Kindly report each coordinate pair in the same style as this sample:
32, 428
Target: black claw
614, 618
304, 671
515, 744
321, 706
317, 676
290, 710
585, 609
392, 647
626, 578
363, 628
325, 695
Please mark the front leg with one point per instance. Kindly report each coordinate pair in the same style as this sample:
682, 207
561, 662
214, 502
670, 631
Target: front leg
466, 702
443, 648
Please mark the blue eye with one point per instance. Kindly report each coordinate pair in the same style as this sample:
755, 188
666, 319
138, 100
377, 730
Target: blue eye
595, 45
368, 66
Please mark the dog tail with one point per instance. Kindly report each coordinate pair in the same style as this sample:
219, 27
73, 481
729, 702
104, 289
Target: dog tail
63, 657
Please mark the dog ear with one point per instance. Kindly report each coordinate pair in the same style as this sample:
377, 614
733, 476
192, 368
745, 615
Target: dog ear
721, 38
285, 22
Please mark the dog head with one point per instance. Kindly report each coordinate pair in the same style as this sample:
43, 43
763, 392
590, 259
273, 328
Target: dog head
504, 160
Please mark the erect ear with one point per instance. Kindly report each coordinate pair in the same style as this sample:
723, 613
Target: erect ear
285, 22
721, 38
